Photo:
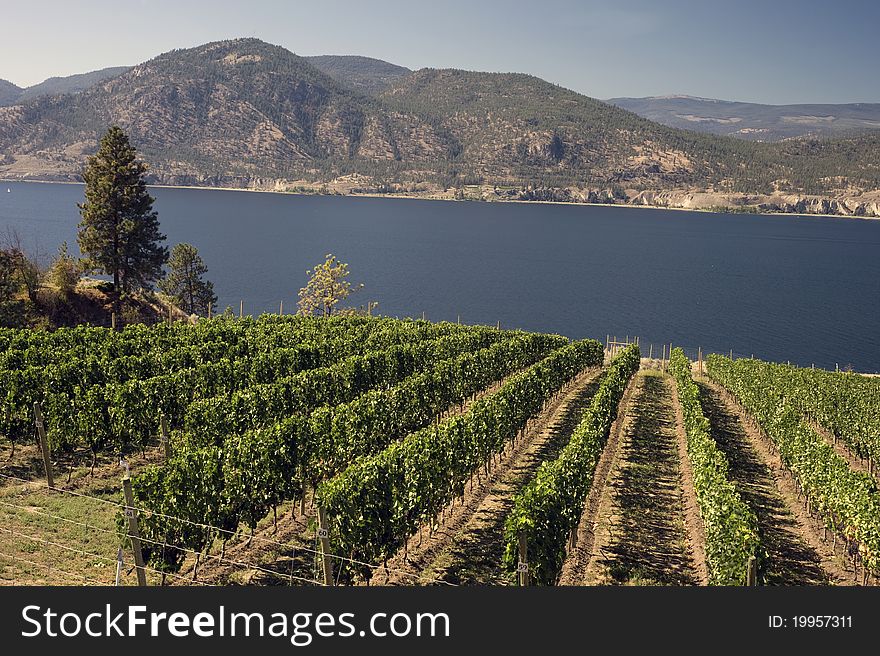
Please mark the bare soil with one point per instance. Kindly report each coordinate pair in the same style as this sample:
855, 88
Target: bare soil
641, 537
575, 566
693, 518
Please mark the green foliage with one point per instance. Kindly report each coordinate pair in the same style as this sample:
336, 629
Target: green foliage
119, 231
380, 500
64, 272
844, 403
549, 507
327, 287
731, 528
848, 501
264, 466
185, 282
61, 367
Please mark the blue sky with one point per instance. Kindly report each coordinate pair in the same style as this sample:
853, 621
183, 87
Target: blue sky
773, 51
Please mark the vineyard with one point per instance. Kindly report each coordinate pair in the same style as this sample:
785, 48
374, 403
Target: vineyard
373, 451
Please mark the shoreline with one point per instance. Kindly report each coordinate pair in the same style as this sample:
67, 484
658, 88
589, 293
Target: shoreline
404, 196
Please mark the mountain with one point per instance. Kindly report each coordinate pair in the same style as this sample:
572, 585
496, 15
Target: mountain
13, 95
220, 113
248, 114
71, 83
9, 93
754, 121
521, 129
363, 74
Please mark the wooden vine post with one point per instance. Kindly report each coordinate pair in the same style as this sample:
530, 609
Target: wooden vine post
522, 567
324, 536
134, 532
752, 572
165, 436
44, 443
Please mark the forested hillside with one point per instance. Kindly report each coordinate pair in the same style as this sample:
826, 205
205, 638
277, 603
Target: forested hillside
246, 113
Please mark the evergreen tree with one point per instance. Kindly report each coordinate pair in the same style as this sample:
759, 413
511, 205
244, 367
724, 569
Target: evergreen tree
119, 232
185, 283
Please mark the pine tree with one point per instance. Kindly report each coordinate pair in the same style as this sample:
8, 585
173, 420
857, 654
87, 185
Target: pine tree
119, 232
185, 283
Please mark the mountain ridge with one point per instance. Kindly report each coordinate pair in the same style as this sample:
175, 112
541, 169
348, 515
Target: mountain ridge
755, 121
244, 113
58, 85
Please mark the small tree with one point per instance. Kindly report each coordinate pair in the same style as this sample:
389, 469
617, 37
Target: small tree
185, 283
557, 148
9, 281
64, 272
119, 232
326, 288
29, 267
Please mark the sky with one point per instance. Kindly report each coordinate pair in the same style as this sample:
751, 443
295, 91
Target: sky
770, 51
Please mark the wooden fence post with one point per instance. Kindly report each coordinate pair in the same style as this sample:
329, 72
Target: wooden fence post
165, 438
241, 309
44, 443
133, 530
522, 567
112, 321
209, 309
281, 308
700, 358
324, 536
752, 572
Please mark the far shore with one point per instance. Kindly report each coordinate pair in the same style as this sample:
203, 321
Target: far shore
405, 196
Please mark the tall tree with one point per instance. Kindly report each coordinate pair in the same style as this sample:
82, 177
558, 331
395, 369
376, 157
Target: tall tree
119, 232
185, 282
326, 288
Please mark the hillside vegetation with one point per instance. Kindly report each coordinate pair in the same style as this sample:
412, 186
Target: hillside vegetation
246, 113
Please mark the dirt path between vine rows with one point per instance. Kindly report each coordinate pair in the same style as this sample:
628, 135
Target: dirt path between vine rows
467, 548
287, 553
796, 553
641, 534
575, 565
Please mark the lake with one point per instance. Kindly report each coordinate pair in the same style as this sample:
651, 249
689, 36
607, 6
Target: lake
804, 289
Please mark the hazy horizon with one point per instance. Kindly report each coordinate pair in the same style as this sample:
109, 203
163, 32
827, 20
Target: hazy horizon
778, 54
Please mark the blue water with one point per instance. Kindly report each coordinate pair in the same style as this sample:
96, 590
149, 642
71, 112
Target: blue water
804, 289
